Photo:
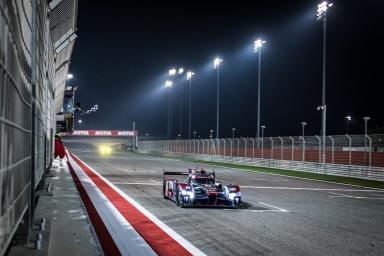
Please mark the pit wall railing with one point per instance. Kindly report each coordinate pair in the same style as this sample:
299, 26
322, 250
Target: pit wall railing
359, 156
27, 61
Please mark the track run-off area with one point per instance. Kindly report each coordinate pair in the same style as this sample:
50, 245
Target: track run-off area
280, 215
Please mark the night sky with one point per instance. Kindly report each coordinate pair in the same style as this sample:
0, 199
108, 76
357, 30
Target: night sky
124, 50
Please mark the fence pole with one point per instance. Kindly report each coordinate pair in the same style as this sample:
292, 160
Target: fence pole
350, 148
290, 137
238, 147
332, 149
318, 138
262, 148
218, 146
203, 147
370, 150
224, 146
303, 157
281, 148
245, 147
198, 147
253, 147
271, 139
231, 147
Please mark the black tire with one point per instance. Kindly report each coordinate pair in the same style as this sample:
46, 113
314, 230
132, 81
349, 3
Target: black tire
177, 201
164, 196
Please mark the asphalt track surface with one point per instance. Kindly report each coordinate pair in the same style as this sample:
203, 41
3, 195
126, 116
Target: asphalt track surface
280, 216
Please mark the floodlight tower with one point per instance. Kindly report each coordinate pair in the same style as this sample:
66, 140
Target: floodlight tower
216, 65
168, 85
190, 74
258, 45
322, 9
178, 72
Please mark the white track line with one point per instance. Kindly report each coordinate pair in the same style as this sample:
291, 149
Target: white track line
355, 197
314, 189
266, 211
137, 183
275, 207
154, 181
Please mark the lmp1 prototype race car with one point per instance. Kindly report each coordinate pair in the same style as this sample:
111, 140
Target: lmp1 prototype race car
200, 189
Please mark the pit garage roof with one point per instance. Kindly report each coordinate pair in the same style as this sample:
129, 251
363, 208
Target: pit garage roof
62, 23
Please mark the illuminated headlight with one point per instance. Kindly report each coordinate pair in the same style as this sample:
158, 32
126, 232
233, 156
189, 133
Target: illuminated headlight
232, 196
187, 193
105, 150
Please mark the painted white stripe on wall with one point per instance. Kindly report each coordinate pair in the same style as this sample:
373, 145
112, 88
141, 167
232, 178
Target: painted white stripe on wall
125, 236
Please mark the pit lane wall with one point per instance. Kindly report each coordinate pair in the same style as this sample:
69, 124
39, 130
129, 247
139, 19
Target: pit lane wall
34, 57
357, 156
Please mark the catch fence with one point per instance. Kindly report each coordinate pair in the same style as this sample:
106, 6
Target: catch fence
359, 156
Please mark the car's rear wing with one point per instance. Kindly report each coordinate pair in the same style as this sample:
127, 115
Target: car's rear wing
189, 172
174, 173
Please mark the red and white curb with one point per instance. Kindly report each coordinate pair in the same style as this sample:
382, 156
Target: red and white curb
122, 225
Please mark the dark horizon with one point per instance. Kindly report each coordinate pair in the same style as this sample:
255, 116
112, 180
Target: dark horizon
122, 57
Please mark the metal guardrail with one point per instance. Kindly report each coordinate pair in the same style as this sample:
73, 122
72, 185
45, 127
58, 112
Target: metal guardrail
345, 155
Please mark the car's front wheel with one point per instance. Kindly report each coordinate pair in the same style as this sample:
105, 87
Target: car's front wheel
236, 203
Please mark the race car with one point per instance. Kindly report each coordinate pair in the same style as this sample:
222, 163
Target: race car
200, 189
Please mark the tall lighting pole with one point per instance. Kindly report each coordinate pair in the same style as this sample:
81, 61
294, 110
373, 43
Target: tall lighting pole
347, 118
180, 72
258, 44
262, 140
190, 74
322, 16
168, 85
216, 65
366, 119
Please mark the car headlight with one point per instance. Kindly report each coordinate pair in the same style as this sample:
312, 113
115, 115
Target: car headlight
232, 196
105, 150
188, 193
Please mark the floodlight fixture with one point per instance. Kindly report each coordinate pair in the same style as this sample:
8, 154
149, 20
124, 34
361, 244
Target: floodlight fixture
322, 10
189, 75
258, 44
168, 84
216, 62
